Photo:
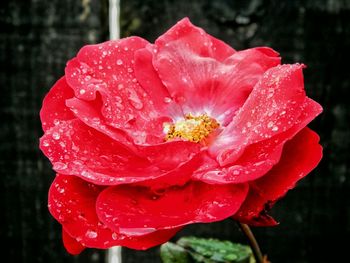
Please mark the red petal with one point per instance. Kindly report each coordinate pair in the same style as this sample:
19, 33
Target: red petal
151, 83
72, 246
300, 156
273, 107
90, 114
258, 158
54, 108
196, 39
76, 149
72, 202
139, 211
108, 69
201, 81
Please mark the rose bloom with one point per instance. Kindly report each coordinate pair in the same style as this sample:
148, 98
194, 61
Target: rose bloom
147, 138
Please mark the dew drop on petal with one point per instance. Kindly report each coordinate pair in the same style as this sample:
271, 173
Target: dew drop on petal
119, 62
91, 234
59, 166
56, 135
114, 236
167, 100
270, 124
236, 172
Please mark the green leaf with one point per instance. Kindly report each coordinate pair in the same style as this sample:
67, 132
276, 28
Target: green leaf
214, 250
201, 250
172, 253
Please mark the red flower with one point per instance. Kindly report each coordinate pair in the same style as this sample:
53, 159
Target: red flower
146, 138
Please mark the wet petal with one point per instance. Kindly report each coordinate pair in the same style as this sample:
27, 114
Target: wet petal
76, 149
300, 156
139, 210
90, 114
148, 78
108, 69
71, 244
54, 108
258, 158
196, 39
201, 81
72, 202
273, 107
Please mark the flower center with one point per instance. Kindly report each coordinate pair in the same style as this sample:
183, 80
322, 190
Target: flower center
192, 128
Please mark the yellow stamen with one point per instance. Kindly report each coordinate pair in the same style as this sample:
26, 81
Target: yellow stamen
192, 128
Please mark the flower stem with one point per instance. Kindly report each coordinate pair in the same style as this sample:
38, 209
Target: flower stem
114, 255
252, 242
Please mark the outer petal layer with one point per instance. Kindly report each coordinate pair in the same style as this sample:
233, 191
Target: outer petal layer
54, 107
107, 70
71, 244
139, 210
258, 158
300, 156
274, 106
72, 202
76, 149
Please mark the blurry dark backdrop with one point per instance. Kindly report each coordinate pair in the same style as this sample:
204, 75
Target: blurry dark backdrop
37, 37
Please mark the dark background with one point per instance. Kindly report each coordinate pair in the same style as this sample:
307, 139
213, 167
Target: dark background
37, 37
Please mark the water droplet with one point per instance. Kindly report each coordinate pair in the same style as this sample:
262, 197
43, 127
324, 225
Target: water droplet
135, 100
82, 91
167, 100
270, 124
114, 236
236, 172
46, 143
56, 135
91, 234
275, 128
119, 62
58, 166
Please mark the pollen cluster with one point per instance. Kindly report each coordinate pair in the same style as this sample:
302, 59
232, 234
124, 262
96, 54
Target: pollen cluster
192, 128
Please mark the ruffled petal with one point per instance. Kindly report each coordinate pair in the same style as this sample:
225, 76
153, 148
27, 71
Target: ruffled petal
195, 39
139, 211
76, 149
54, 108
258, 158
108, 69
71, 244
199, 79
90, 114
72, 202
148, 78
300, 156
273, 107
